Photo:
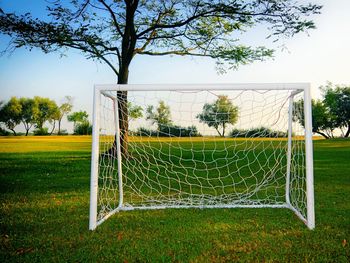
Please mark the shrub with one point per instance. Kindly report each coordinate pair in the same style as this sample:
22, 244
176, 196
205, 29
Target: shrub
261, 132
41, 131
63, 132
169, 131
84, 128
4, 132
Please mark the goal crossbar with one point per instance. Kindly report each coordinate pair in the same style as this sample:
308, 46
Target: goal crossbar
299, 87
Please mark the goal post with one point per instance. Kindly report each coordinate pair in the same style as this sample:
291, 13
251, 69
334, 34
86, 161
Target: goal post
203, 146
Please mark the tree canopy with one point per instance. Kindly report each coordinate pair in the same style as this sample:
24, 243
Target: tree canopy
10, 114
330, 113
135, 111
219, 114
78, 117
27, 113
65, 108
114, 32
103, 29
337, 99
160, 116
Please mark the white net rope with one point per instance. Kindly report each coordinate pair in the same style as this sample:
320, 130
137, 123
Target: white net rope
176, 160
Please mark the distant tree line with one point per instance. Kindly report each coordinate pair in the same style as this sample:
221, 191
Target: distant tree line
218, 115
38, 111
331, 114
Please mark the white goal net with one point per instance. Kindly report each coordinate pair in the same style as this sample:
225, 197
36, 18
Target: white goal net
201, 146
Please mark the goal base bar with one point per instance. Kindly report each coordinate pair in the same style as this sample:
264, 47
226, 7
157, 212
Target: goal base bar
131, 208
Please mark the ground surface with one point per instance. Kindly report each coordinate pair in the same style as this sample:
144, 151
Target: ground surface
44, 195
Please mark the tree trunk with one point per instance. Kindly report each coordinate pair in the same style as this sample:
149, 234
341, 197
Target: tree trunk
59, 126
223, 130
26, 126
323, 134
122, 97
217, 129
14, 132
53, 128
127, 54
347, 132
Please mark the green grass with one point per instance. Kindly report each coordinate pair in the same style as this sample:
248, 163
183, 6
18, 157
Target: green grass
44, 200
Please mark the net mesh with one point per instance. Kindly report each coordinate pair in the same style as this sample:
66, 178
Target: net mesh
175, 158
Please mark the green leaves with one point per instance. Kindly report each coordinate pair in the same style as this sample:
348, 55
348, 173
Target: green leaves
10, 114
161, 115
219, 114
105, 29
134, 111
330, 113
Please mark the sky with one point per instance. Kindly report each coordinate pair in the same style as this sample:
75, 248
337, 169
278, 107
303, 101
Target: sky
317, 57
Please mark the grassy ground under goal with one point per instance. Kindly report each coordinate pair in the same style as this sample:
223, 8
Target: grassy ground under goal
44, 199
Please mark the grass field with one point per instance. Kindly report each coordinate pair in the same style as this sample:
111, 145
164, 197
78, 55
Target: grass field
44, 200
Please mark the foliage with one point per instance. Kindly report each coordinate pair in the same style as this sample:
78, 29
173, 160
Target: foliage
219, 114
169, 131
82, 125
27, 113
44, 192
261, 132
337, 100
322, 120
4, 132
160, 116
45, 109
109, 31
134, 111
64, 109
83, 128
78, 117
10, 114
63, 132
328, 114
41, 131
124, 29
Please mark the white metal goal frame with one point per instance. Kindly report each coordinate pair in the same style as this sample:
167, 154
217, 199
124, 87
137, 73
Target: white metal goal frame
296, 88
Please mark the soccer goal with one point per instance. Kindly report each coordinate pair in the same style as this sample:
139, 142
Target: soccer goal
202, 146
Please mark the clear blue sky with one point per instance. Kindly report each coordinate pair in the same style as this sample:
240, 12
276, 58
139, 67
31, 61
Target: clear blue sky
322, 56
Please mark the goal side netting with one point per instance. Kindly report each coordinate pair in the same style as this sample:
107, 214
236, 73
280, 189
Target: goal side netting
201, 146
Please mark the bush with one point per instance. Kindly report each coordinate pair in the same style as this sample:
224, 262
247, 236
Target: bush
4, 132
146, 132
63, 132
169, 131
261, 132
178, 131
41, 131
84, 128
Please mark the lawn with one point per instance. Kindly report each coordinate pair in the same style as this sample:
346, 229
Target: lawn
44, 200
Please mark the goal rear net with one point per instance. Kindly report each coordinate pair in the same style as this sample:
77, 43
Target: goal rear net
202, 146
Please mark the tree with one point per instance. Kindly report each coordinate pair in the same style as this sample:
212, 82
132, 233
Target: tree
337, 100
64, 108
27, 113
81, 123
160, 116
10, 114
323, 122
108, 29
78, 117
219, 114
134, 111
45, 109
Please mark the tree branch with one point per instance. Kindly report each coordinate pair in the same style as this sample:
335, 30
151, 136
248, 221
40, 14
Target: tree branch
114, 18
